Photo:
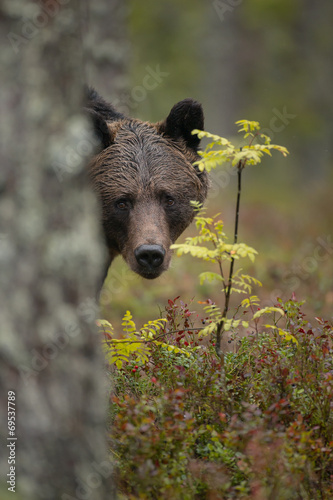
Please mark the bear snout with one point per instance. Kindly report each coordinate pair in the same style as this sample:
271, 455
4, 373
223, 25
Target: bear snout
150, 259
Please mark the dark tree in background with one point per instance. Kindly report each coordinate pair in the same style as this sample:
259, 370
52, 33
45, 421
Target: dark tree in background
50, 257
255, 59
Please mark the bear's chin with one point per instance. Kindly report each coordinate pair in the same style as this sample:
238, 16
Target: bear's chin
151, 275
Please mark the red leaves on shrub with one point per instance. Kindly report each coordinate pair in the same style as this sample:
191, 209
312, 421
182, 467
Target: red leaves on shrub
263, 419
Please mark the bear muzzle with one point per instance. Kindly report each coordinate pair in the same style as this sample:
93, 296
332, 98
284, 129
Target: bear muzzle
150, 260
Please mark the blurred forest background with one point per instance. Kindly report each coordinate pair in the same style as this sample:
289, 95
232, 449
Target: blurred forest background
264, 60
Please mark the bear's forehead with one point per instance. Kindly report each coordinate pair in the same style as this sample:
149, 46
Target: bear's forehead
140, 159
141, 188
139, 145
141, 135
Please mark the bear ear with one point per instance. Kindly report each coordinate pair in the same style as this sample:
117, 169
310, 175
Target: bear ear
101, 113
101, 129
185, 116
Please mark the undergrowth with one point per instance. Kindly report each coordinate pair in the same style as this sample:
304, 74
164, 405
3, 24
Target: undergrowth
181, 427
189, 421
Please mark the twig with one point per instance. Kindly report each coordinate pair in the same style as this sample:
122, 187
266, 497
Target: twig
220, 326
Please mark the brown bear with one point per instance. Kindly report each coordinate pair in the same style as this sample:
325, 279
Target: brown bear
145, 179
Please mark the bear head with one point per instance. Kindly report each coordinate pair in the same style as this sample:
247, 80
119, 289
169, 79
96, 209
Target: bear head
144, 176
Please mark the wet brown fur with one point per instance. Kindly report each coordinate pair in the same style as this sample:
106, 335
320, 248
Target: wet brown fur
147, 168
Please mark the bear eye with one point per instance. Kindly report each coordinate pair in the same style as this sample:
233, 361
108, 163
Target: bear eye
170, 202
122, 204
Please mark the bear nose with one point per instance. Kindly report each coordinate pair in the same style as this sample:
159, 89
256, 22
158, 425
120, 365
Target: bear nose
149, 256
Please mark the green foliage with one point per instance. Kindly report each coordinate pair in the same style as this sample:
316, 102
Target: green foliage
157, 454
183, 428
211, 231
135, 344
250, 154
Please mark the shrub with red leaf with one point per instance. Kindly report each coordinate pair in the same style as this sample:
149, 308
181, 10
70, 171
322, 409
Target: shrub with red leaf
257, 426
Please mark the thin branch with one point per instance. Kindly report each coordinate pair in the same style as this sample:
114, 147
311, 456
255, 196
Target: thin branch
220, 327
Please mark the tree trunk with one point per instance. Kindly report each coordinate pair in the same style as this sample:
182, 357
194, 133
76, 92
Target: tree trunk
106, 47
50, 258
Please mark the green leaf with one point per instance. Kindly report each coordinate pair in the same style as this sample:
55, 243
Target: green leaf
267, 310
285, 334
119, 363
207, 276
247, 126
253, 300
196, 251
103, 322
208, 329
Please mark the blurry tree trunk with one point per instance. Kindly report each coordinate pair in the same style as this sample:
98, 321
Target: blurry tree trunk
106, 46
265, 58
224, 60
50, 258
